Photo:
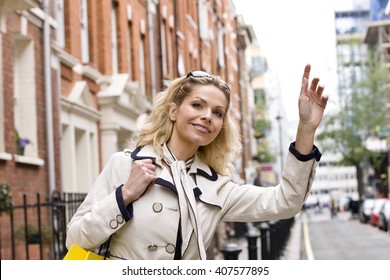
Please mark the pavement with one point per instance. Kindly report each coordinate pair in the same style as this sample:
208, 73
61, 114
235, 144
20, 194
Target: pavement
292, 251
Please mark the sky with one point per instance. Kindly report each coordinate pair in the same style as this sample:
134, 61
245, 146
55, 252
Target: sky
292, 34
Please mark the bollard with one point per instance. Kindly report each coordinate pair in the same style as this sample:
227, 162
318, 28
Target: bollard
286, 228
283, 234
287, 231
231, 251
251, 237
273, 240
278, 239
264, 230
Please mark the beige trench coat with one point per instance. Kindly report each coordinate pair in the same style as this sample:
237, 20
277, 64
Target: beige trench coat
147, 228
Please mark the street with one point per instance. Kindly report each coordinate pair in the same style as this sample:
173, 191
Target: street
341, 238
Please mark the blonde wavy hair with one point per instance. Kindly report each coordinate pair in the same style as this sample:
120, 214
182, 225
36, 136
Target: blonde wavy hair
159, 127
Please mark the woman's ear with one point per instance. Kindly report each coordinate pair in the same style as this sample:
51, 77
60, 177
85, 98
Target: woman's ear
172, 111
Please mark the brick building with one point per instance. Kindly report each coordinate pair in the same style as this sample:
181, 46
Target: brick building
77, 75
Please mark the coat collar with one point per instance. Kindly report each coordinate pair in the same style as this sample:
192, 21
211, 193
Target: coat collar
198, 167
204, 174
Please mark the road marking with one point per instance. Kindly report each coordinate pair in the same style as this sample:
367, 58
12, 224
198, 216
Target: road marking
306, 240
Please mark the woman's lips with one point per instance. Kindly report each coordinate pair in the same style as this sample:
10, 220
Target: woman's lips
202, 128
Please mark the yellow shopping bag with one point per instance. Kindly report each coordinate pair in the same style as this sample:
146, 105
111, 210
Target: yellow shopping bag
77, 253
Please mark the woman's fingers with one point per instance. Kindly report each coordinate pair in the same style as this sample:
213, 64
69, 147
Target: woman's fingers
142, 175
320, 89
306, 72
314, 84
305, 80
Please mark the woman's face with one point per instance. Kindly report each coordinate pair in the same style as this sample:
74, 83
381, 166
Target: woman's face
199, 119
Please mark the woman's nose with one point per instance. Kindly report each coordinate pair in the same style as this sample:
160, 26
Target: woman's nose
207, 115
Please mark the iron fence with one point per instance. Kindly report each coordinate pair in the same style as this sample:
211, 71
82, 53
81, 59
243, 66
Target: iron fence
37, 229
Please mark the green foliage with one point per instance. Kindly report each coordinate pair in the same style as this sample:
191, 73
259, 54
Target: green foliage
362, 114
5, 197
263, 152
34, 235
261, 127
266, 156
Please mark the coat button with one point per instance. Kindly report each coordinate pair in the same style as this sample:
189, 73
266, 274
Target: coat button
113, 224
119, 219
152, 248
170, 248
157, 207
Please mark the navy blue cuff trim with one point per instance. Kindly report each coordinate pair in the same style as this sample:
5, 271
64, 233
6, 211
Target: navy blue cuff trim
315, 153
127, 212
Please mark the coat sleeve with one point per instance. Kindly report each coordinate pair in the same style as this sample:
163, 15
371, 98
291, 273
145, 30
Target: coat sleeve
249, 203
99, 215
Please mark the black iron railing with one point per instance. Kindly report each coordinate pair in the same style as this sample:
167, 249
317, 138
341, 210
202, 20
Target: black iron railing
37, 229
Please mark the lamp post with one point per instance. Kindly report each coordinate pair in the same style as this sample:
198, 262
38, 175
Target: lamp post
388, 162
279, 119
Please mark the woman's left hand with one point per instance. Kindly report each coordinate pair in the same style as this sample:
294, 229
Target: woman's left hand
312, 101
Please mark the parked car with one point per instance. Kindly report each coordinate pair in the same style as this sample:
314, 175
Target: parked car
375, 210
384, 216
365, 209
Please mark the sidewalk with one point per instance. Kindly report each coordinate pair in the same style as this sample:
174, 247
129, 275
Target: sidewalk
294, 243
293, 246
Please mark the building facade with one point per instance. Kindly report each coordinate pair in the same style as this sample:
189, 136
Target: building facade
78, 78
377, 38
332, 180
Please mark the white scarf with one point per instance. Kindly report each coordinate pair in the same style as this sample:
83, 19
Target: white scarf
187, 204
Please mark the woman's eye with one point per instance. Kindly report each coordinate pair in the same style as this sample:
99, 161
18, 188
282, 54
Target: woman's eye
218, 114
196, 105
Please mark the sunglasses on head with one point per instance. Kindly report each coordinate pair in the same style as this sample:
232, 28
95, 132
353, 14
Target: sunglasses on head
203, 74
198, 74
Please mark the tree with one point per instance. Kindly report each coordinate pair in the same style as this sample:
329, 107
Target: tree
362, 113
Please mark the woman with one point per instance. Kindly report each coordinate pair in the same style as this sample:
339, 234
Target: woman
165, 199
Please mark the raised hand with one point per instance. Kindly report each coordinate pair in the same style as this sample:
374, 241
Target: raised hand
312, 101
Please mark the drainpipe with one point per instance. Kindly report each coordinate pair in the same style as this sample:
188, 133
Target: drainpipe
176, 59
48, 98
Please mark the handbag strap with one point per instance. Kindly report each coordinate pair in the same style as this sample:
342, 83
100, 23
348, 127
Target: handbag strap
107, 245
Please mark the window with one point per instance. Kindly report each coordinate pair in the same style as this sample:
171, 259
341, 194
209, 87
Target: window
259, 65
25, 117
164, 48
203, 20
142, 65
130, 41
84, 31
170, 45
130, 51
60, 23
220, 46
114, 38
